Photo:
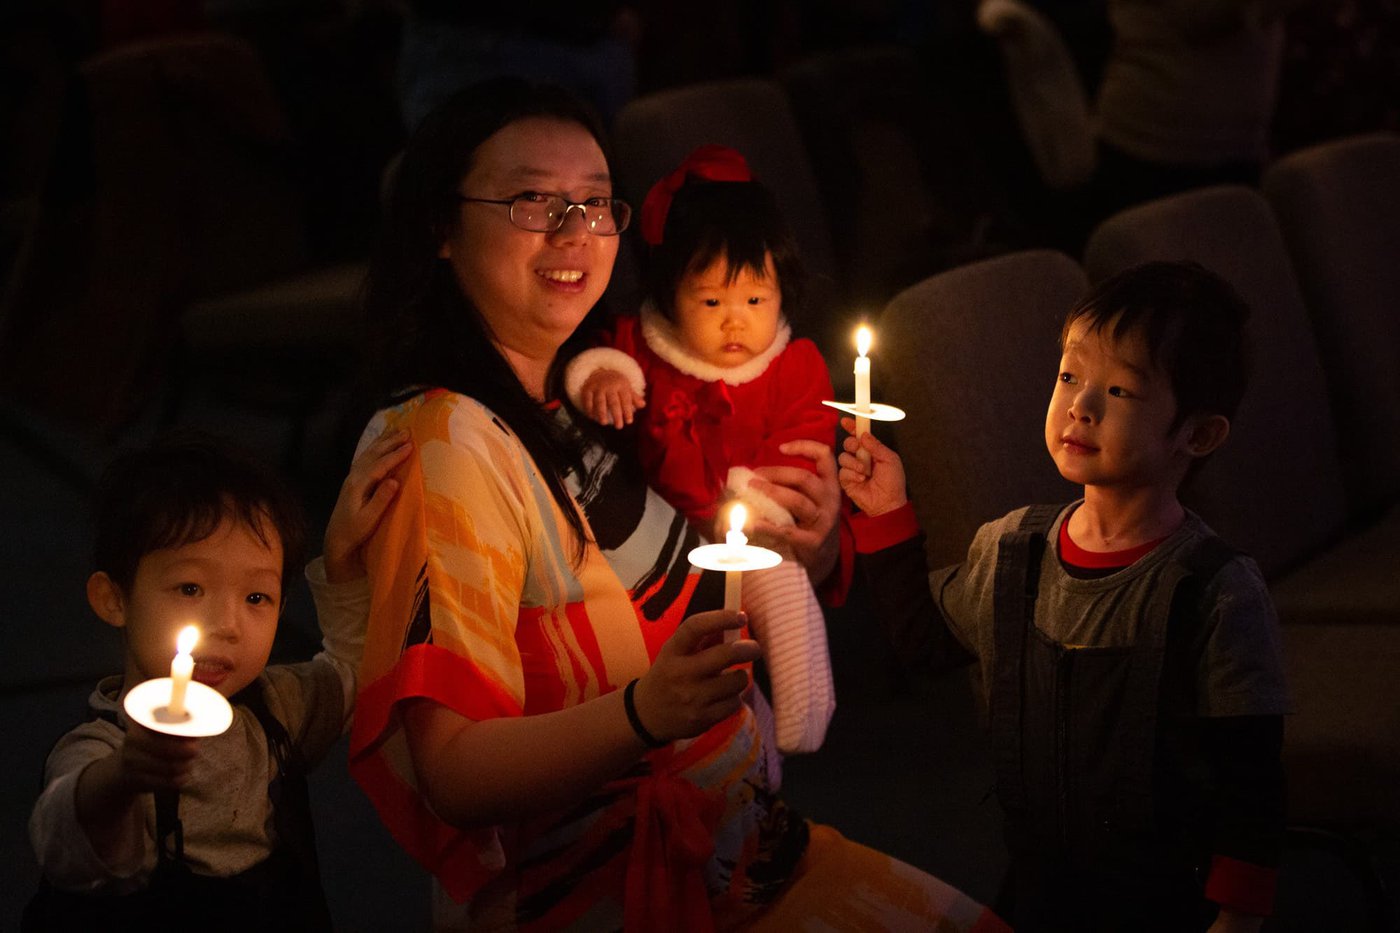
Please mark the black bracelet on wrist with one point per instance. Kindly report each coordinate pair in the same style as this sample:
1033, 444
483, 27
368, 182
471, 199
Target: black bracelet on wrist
649, 740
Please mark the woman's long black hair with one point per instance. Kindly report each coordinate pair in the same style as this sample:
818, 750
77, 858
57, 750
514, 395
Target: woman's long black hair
426, 332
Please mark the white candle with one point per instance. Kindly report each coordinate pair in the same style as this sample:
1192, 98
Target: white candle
734, 579
181, 669
862, 373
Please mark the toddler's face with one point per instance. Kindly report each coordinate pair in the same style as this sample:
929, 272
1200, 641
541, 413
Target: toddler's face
728, 323
1111, 413
229, 585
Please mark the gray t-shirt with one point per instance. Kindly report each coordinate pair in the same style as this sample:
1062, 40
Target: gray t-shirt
1241, 673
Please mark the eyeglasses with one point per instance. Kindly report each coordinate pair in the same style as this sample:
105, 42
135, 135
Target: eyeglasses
545, 213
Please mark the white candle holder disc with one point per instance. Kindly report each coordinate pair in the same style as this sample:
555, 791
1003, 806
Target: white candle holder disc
876, 412
728, 557
206, 711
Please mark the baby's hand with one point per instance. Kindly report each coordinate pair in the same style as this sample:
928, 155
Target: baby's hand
608, 398
152, 761
875, 487
364, 498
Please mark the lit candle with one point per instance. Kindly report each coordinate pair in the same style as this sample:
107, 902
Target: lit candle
181, 669
862, 384
734, 579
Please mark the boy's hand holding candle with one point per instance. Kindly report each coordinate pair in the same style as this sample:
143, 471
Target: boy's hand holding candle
863, 408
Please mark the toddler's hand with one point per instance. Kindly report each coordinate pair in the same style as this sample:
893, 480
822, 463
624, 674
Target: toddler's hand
608, 398
875, 487
152, 761
364, 498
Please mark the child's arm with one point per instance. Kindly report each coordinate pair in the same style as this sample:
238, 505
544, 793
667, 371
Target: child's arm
109, 789
88, 826
608, 397
876, 487
364, 497
1241, 697
607, 385
315, 699
338, 585
1248, 783
910, 611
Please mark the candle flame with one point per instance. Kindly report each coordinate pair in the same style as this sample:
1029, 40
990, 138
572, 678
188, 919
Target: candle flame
863, 338
185, 641
738, 516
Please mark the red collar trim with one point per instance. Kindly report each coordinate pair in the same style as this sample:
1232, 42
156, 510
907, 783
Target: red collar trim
1076, 556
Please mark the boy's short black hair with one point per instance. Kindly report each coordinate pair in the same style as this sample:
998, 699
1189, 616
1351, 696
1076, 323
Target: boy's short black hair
177, 491
1194, 323
739, 220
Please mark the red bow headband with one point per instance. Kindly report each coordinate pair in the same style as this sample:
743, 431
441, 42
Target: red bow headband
708, 163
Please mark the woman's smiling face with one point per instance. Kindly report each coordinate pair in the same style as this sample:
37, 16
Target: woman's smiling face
532, 289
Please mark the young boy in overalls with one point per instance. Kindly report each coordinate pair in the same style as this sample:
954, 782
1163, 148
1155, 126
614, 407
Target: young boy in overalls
1130, 659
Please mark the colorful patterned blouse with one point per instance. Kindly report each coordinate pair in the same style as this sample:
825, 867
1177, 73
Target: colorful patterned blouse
480, 605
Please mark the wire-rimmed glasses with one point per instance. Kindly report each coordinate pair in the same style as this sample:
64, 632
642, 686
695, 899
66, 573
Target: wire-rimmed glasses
545, 213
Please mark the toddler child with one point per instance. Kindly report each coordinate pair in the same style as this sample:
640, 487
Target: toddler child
717, 384
140, 830
1131, 661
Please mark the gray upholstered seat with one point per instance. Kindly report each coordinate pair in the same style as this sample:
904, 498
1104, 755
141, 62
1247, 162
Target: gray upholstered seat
970, 355
203, 250
1336, 204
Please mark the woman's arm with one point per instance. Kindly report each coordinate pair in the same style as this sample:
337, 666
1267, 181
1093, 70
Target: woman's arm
477, 773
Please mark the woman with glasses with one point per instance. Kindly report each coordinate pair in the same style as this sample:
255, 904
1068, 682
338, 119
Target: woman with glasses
550, 718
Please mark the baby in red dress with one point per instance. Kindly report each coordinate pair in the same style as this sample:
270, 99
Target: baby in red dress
716, 383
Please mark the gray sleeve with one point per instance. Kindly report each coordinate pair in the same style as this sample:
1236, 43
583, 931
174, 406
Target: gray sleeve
342, 609
309, 699
61, 845
964, 592
1242, 670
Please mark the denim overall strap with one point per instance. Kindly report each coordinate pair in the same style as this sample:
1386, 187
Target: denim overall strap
291, 813
1173, 621
1141, 701
1015, 586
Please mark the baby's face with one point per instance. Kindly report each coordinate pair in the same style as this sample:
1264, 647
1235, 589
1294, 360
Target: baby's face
228, 585
727, 323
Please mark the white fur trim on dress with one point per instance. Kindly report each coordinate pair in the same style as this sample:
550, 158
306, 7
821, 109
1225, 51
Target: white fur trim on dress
590, 361
660, 335
738, 483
